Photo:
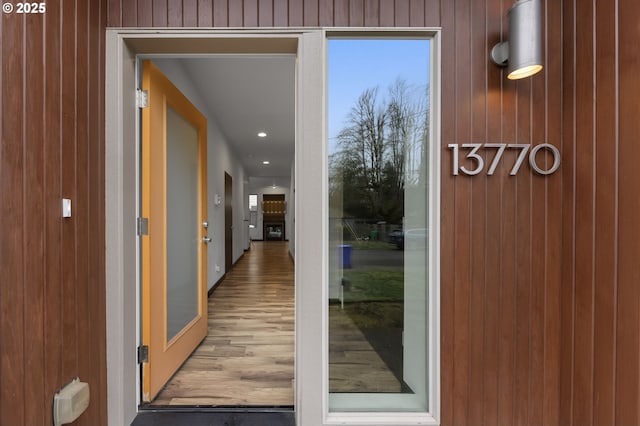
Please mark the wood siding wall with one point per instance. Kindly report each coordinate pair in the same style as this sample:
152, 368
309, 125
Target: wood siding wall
540, 276
52, 299
273, 13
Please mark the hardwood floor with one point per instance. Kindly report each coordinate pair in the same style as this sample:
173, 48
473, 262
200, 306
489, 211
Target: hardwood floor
354, 366
247, 358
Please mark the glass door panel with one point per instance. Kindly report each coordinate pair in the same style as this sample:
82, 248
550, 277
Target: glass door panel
182, 223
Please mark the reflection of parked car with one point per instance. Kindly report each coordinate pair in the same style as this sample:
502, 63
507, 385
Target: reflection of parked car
417, 237
396, 237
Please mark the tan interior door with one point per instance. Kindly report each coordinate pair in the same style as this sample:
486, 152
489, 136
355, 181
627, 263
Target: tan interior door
174, 251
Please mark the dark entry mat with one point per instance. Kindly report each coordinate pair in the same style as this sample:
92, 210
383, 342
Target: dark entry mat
164, 418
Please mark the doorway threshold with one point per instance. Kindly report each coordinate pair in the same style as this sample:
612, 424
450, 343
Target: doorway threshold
214, 416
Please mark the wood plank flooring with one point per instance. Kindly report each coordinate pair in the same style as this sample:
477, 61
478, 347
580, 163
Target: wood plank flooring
354, 366
247, 358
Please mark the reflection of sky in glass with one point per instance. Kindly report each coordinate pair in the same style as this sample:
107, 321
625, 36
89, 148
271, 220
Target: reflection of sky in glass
357, 65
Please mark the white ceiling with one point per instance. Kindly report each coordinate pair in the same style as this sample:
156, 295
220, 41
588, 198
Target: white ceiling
247, 94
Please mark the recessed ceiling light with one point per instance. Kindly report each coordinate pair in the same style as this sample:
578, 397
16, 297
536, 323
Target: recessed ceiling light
265, 162
262, 135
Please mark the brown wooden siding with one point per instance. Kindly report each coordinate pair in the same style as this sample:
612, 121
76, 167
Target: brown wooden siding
539, 288
273, 13
52, 296
540, 278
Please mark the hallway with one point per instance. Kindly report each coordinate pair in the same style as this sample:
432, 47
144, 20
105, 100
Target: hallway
247, 359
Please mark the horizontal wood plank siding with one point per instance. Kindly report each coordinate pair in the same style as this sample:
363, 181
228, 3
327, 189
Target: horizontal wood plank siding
52, 295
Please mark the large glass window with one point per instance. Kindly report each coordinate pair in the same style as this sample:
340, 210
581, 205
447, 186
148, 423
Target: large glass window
253, 210
379, 238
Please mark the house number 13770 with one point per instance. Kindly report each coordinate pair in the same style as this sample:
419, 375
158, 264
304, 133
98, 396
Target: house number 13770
500, 148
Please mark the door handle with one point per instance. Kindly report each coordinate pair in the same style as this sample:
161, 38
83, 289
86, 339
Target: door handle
206, 240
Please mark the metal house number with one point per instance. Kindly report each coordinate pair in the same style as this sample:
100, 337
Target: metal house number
500, 148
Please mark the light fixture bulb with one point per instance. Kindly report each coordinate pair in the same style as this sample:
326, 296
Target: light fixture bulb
262, 135
265, 162
524, 72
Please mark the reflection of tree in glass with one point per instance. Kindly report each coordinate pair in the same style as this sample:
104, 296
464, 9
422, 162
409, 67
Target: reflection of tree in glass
380, 151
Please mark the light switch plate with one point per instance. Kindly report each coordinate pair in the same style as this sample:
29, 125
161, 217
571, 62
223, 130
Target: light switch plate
66, 207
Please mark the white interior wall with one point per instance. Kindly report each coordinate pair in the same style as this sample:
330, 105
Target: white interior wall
263, 185
220, 159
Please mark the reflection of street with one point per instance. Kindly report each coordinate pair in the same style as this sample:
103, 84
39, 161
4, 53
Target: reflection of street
388, 260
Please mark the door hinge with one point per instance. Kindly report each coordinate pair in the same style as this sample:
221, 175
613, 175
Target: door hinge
143, 354
142, 98
142, 226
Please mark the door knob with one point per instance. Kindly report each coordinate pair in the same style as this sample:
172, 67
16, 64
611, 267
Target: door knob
206, 240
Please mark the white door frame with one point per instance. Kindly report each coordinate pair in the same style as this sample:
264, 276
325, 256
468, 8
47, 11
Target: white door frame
121, 201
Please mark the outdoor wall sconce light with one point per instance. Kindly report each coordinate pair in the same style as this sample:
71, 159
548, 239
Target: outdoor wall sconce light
522, 53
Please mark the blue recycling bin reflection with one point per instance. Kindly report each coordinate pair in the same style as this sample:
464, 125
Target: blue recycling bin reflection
344, 256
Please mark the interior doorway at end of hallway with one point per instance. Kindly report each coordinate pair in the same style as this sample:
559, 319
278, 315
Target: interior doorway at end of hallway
273, 211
